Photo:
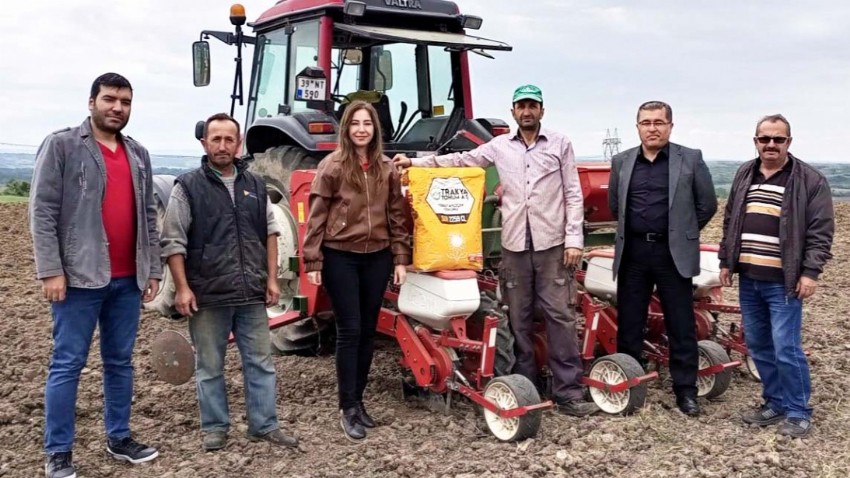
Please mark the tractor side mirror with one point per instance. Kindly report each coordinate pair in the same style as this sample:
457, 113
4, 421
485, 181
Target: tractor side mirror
201, 63
384, 71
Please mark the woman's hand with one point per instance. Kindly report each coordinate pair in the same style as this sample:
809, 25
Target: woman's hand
315, 277
399, 274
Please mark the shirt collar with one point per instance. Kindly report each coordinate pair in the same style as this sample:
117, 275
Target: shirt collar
542, 133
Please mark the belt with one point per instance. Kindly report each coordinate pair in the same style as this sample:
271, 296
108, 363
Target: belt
649, 236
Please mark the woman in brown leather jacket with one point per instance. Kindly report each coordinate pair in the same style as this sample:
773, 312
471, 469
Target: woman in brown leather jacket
355, 239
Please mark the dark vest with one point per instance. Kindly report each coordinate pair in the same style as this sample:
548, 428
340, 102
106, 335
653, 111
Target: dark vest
226, 250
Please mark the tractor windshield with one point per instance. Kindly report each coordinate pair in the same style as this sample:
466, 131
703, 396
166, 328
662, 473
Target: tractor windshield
408, 81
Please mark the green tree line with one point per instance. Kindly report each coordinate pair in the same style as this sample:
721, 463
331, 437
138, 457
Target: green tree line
17, 188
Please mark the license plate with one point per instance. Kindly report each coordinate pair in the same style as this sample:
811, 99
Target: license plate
309, 89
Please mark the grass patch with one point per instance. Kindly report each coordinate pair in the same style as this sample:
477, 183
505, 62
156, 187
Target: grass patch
5, 199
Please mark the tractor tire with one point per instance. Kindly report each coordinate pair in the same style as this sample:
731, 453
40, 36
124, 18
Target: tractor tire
275, 166
512, 391
712, 386
163, 302
505, 355
613, 369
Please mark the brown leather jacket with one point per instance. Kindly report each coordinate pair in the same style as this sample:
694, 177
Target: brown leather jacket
345, 219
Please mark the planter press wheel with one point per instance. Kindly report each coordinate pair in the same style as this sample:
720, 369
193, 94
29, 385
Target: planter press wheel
712, 386
613, 369
507, 392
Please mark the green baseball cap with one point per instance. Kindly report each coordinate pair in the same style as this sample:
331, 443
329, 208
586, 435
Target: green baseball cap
528, 92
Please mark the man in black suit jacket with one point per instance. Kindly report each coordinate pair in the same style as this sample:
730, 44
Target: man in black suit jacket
662, 195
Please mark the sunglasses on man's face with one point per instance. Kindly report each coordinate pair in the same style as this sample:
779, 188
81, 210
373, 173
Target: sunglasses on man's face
775, 139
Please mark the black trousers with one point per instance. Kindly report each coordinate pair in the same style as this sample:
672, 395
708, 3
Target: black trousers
539, 279
647, 265
355, 283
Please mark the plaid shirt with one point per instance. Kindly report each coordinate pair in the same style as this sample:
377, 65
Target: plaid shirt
540, 186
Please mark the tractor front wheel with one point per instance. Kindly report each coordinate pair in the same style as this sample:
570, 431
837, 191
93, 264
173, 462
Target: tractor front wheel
613, 369
512, 391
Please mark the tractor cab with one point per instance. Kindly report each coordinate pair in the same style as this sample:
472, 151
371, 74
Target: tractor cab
408, 58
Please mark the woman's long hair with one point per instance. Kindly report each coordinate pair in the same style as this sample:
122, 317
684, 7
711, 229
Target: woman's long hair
351, 169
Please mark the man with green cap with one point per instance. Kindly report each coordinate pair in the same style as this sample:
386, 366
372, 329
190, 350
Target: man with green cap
542, 239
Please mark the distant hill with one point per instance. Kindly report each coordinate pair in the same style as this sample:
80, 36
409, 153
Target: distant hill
19, 166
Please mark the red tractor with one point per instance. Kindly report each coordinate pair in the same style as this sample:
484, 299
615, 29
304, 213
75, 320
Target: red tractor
410, 59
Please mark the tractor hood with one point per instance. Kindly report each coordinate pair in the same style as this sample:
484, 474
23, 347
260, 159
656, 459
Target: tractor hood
402, 35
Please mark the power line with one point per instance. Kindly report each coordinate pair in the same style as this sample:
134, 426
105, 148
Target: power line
610, 145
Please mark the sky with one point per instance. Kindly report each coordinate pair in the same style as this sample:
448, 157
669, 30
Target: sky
721, 64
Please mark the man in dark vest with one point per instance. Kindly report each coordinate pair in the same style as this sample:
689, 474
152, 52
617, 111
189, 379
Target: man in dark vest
220, 238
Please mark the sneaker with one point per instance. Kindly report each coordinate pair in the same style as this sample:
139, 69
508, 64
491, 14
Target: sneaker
59, 465
215, 440
763, 417
795, 427
577, 408
127, 449
276, 437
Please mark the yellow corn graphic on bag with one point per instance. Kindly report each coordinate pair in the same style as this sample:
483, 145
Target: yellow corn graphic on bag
446, 207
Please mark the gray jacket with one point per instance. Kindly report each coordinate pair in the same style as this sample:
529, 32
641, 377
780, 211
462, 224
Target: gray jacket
692, 204
806, 223
65, 211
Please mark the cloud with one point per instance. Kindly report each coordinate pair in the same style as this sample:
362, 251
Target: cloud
721, 64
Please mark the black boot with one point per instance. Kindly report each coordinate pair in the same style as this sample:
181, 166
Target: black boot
351, 426
364, 417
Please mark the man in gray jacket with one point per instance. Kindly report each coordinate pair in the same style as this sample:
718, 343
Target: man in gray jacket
96, 248
662, 196
777, 234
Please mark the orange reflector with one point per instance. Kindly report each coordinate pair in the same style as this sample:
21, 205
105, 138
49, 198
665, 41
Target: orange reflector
320, 128
499, 130
325, 146
237, 10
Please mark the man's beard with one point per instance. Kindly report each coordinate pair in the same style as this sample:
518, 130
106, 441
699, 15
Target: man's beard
99, 120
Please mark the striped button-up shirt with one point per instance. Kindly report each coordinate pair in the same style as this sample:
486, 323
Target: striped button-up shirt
540, 186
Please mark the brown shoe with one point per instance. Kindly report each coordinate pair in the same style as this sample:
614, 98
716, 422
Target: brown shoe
215, 441
276, 437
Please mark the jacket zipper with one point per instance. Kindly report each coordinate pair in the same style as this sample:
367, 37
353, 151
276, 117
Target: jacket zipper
368, 212
238, 236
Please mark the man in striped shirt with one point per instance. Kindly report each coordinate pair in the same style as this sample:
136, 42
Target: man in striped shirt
777, 234
542, 240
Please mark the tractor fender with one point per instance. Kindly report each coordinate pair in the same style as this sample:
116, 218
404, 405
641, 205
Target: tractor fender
283, 130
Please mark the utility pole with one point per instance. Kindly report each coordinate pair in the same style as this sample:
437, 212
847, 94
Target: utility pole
610, 145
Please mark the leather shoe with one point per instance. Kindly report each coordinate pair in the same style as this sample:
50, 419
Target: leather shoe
364, 417
276, 437
688, 406
351, 426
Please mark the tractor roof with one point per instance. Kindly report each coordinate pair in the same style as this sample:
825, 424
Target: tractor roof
422, 8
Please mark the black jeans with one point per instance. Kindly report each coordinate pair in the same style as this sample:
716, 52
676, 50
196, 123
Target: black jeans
646, 265
355, 283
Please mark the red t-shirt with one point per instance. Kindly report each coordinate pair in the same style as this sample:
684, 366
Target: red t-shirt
119, 212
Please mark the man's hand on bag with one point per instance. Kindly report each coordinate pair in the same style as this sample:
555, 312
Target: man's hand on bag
806, 287
151, 290
401, 161
314, 277
572, 257
399, 274
53, 288
272, 292
184, 302
725, 277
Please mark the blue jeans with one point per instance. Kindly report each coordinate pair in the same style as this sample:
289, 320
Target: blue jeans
115, 310
210, 328
772, 329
